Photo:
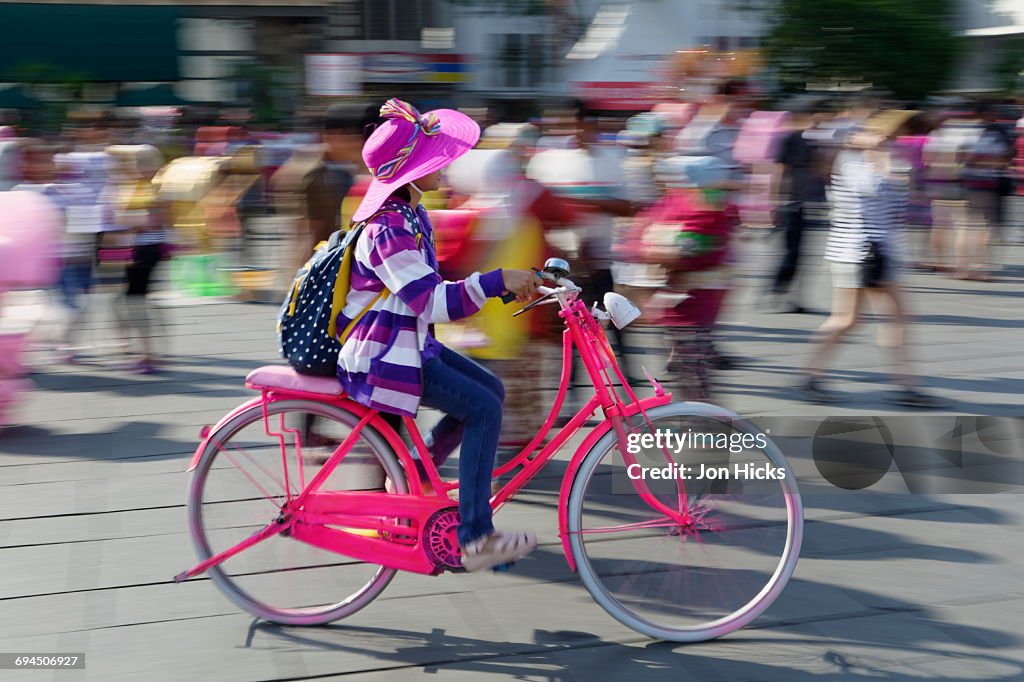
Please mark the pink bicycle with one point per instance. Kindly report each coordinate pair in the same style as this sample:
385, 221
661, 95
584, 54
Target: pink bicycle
661, 508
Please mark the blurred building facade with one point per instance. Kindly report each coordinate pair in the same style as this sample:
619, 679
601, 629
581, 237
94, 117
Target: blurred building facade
435, 52
627, 51
202, 47
400, 44
993, 30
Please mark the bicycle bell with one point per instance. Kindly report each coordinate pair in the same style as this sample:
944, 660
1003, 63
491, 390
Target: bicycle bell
556, 267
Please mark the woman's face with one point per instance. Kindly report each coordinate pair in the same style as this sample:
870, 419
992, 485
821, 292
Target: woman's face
430, 183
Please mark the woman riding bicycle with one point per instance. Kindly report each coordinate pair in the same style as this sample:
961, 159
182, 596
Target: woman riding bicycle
391, 360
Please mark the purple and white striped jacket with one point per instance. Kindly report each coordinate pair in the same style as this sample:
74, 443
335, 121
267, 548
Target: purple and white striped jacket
381, 363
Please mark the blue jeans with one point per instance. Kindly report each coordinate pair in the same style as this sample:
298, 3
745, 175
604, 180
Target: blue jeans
471, 398
75, 280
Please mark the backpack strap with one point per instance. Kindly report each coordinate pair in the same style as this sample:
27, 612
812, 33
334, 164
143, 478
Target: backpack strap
345, 274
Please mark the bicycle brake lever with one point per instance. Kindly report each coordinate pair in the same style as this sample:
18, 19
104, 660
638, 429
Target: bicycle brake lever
543, 300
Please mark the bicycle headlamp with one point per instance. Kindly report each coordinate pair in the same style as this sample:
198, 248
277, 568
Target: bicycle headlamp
620, 309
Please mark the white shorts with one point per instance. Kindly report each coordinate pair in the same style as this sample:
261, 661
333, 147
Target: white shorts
845, 275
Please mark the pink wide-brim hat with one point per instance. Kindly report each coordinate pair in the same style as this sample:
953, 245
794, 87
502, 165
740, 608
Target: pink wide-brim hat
436, 138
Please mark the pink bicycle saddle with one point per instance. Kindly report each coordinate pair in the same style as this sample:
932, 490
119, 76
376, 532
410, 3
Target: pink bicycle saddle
285, 378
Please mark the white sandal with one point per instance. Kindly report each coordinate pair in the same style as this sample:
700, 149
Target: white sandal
500, 547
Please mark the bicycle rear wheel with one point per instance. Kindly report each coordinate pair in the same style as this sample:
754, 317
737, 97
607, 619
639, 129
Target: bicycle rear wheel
239, 487
686, 582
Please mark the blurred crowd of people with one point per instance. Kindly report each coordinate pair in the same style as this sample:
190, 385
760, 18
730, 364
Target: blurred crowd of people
650, 205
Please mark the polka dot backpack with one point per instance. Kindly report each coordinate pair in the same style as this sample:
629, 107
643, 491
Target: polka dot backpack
306, 324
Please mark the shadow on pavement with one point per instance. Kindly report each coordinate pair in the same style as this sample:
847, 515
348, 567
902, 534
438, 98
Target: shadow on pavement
573, 655
41, 441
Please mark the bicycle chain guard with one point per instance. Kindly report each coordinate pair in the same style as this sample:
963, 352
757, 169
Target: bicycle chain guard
441, 541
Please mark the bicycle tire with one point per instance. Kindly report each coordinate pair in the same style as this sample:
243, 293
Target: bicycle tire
601, 588
230, 585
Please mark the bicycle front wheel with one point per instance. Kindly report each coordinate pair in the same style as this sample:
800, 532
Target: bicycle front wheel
730, 556
241, 484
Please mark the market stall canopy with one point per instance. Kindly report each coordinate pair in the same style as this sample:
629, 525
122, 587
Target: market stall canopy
110, 43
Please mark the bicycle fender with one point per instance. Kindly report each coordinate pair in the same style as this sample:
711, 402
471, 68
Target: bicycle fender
382, 427
584, 448
207, 431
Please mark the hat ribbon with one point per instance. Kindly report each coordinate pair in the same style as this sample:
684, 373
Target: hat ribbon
429, 125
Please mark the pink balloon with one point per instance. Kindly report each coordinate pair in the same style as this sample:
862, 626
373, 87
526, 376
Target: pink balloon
30, 235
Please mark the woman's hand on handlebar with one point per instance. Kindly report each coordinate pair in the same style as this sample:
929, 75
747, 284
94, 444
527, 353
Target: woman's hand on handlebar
522, 283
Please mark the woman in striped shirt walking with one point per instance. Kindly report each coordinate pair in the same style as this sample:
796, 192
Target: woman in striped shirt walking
391, 360
869, 204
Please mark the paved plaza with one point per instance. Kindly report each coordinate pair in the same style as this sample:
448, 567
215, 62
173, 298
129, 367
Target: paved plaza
917, 577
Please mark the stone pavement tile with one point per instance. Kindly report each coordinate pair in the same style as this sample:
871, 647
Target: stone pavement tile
894, 645
928, 643
67, 404
877, 646
97, 564
161, 397
134, 463
949, 535
1003, 387
54, 614
902, 578
107, 597
474, 628
121, 441
654, 661
108, 602
963, 667
54, 530
426, 630
930, 350
135, 560
99, 495
105, 563
982, 365
829, 504
999, 508
994, 632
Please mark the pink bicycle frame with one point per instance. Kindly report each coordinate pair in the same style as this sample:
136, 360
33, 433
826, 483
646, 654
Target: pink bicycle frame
399, 521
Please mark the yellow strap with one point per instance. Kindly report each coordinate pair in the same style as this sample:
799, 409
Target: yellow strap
340, 292
383, 293
338, 300
296, 285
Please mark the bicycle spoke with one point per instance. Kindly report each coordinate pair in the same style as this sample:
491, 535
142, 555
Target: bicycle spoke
252, 479
640, 525
281, 579
683, 578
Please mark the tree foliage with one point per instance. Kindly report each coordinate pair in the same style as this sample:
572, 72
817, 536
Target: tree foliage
907, 47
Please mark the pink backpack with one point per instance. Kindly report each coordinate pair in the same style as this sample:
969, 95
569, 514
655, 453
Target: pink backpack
760, 135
